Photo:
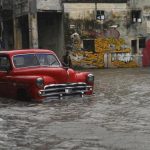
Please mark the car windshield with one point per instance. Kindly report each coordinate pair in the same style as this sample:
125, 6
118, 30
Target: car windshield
29, 60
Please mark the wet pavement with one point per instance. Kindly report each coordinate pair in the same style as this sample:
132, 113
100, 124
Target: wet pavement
117, 117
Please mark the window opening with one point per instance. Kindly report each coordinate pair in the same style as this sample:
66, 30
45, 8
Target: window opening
134, 46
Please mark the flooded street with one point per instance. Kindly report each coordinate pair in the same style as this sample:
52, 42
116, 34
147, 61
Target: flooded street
117, 117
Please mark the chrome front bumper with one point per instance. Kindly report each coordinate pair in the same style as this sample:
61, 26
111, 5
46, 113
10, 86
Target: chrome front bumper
61, 90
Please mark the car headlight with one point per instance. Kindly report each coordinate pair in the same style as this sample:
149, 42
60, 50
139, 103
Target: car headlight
40, 82
90, 78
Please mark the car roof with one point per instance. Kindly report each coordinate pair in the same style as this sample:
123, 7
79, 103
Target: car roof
25, 51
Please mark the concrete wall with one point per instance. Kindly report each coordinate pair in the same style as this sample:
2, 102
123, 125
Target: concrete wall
6, 4
49, 5
138, 3
20, 7
115, 15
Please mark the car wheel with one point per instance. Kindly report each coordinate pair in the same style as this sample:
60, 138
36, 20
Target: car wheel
22, 95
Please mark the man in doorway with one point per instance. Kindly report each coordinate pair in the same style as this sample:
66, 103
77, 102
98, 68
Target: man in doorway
67, 59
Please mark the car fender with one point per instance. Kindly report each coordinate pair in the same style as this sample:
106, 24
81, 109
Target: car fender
81, 76
48, 80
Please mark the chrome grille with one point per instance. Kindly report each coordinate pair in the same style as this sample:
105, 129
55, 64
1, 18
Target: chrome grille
61, 90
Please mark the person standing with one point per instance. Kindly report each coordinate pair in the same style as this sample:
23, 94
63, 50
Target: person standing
67, 59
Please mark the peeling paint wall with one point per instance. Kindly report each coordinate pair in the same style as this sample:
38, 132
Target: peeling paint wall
111, 47
105, 56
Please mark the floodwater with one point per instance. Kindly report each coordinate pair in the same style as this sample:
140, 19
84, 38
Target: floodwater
117, 117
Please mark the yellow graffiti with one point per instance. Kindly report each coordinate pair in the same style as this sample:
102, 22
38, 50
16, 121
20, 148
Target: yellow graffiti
121, 64
102, 46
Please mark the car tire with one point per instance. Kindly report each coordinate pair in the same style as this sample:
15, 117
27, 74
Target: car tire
22, 95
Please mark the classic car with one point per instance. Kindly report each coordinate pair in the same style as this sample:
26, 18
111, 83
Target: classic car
38, 74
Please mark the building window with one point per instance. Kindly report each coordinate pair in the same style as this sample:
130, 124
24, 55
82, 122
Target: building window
136, 16
134, 46
142, 42
89, 45
100, 15
4, 63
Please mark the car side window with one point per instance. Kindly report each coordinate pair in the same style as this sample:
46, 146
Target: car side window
4, 63
40, 59
26, 60
52, 60
19, 61
48, 60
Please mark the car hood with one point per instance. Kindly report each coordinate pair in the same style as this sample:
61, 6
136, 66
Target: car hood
58, 74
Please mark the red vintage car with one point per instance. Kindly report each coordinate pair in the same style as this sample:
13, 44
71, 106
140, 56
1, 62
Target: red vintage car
38, 74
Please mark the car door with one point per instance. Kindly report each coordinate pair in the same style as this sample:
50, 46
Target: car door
5, 82
58, 72
55, 69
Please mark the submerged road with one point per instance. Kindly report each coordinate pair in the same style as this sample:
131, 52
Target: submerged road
117, 117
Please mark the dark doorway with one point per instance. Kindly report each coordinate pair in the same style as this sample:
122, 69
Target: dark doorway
8, 38
142, 42
48, 30
23, 22
134, 46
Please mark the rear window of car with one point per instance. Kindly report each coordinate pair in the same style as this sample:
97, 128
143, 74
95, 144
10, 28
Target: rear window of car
30, 60
4, 62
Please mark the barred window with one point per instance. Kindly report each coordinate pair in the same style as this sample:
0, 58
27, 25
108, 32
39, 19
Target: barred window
136, 16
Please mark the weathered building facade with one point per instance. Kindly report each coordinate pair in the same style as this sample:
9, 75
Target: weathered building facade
35, 23
140, 13
6, 24
110, 33
101, 33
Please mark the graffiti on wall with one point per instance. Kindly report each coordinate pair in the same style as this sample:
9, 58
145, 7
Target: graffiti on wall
97, 43
112, 51
123, 60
